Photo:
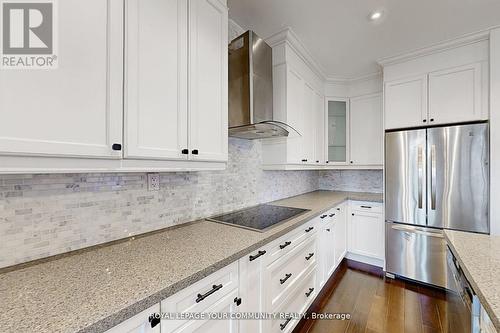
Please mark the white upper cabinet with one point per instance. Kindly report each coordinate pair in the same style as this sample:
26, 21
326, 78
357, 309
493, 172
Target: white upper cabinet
406, 102
455, 95
208, 89
74, 110
156, 79
445, 84
366, 133
337, 138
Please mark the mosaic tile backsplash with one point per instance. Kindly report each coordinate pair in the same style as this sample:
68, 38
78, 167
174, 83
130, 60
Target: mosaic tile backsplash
352, 180
48, 214
44, 215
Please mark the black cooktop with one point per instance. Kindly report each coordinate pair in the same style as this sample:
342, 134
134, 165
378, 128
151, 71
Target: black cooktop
260, 217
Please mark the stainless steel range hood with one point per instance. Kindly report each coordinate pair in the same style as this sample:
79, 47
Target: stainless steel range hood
251, 89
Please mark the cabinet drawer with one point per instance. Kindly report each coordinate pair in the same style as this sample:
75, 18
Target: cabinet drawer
204, 293
298, 301
288, 242
284, 274
366, 206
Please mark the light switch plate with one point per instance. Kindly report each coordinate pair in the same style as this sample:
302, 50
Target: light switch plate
153, 181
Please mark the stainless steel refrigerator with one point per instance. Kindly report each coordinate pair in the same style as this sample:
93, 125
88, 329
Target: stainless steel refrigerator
436, 178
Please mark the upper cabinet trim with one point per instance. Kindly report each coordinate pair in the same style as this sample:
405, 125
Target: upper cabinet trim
436, 48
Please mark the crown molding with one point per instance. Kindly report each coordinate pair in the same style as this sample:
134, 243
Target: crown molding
361, 78
463, 40
288, 36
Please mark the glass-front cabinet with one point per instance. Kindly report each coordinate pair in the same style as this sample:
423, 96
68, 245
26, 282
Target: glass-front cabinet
338, 131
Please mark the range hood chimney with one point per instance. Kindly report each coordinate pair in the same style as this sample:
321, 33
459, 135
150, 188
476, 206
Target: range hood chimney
251, 89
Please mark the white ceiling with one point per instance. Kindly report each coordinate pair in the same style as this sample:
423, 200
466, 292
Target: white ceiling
343, 41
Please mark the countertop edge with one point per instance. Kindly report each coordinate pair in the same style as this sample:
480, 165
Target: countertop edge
484, 301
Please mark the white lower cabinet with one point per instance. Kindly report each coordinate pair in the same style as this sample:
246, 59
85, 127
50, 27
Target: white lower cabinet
140, 323
282, 278
216, 293
366, 230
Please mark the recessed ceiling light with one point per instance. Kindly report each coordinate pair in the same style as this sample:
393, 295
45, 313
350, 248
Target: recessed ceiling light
376, 15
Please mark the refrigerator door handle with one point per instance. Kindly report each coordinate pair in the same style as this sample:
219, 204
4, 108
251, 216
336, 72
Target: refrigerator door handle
433, 177
417, 231
420, 162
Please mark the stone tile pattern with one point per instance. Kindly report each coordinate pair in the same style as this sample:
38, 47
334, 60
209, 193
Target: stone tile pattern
352, 180
47, 214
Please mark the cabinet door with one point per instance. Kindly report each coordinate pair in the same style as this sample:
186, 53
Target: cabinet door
340, 233
337, 131
367, 234
139, 323
208, 104
224, 305
455, 95
74, 110
329, 250
309, 121
294, 116
406, 102
319, 129
251, 289
156, 79
366, 134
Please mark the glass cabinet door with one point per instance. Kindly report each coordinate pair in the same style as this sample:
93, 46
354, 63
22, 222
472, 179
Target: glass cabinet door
337, 131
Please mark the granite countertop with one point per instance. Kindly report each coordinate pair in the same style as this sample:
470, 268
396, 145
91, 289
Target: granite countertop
479, 258
94, 290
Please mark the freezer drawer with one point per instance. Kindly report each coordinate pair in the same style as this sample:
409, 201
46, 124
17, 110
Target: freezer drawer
417, 253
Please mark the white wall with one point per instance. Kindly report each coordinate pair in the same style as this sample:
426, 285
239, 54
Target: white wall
495, 131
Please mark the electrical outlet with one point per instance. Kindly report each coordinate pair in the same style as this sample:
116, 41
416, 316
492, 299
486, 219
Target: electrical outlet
153, 181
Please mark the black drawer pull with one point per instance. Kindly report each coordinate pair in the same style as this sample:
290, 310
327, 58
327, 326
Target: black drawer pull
331, 215
260, 253
282, 246
185, 151
287, 276
323, 216
328, 230
208, 293
369, 207
310, 292
195, 152
116, 146
309, 229
310, 256
282, 326
154, 319
237, 301
304, 160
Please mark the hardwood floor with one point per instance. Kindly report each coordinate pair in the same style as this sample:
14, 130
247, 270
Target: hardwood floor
377, 304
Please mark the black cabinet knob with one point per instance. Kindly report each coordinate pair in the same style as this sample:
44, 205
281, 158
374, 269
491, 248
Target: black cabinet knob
352, 162
317, 161
425, 120
328, 230
237, 300
338, 208
194, 152
309, 229
323, 216
116, 146
432, 119
309, 292
352, 214
185, 151
327, 162
154, 319
304, 160
331, 215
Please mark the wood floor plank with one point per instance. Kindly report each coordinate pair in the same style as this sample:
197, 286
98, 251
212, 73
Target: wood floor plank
382, 305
